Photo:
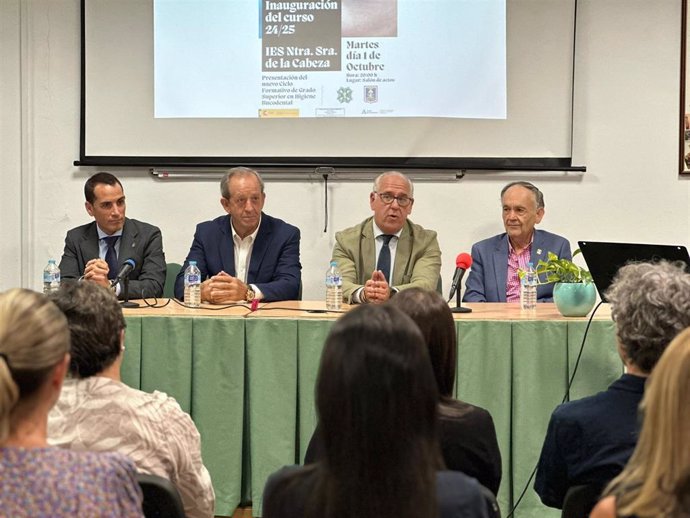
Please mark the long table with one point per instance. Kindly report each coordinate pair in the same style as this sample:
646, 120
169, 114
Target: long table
247, 379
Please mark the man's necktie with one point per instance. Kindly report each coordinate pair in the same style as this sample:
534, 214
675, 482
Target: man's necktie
384, 262
111, 256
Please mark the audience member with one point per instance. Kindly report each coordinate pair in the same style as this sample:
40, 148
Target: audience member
96, 251
245, 254
96, 411
467, 433
496, 260
377, 403
36, 479
400, 254
590, 440
654, 483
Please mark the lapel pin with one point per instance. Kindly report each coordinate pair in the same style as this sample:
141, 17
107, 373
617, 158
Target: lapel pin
538, 251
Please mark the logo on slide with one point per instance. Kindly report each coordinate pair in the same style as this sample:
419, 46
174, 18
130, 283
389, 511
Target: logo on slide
371, 94
344, 94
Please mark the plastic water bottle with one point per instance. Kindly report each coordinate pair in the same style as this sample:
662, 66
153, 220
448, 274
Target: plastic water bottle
192, 285
51, 277
528, 289
334, 288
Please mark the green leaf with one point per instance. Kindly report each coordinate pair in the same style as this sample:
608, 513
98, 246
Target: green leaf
556, 269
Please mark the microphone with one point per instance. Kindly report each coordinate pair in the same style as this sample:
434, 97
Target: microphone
125, 270
462, 262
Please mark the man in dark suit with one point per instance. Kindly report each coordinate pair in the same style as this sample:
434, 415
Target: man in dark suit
246, 254
496, 260
96, 251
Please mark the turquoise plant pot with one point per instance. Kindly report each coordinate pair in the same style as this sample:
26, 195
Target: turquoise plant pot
574, 299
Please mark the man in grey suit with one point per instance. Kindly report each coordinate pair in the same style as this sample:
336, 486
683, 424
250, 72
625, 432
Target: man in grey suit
387, 253
496, 260
96, 251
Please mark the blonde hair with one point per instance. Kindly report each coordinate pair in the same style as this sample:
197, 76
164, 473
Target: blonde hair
662, 457
34, 337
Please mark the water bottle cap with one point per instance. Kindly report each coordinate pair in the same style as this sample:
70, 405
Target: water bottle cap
530, 264
192, 263
51, 261
334, 263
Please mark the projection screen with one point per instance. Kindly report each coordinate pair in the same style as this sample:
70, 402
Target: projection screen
443, 84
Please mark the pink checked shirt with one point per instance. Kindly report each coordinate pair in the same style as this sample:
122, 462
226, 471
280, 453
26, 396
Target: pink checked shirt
515, 262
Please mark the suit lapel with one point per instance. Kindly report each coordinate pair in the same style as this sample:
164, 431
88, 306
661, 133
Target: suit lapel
402, 252
89, 245
128, 242
539, 251
227, 247
500, 260
263, 238
368, 251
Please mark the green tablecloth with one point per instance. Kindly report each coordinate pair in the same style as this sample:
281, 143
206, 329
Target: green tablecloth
249, 383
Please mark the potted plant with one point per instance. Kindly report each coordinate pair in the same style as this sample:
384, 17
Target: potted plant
573, 292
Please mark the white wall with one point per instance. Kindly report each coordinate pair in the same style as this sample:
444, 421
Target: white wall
626, 116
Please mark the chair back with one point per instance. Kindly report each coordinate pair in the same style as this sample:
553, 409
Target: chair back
161, 499
492, 509
580, 500
170, 275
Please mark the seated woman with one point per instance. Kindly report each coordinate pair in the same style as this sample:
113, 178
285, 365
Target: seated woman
467, 433
376, 399
655, 480
35, 479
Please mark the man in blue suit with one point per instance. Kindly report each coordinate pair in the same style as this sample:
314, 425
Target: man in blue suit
495, 261
246, 254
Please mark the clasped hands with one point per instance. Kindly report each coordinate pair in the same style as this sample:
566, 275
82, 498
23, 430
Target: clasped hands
223, 288
96, 270
376, 290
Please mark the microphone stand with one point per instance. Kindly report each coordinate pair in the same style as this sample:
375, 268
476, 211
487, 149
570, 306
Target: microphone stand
458, 303
125, 290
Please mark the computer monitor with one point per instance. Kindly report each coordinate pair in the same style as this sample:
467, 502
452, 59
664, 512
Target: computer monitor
604, 259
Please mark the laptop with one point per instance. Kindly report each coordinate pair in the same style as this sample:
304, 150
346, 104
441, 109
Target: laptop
604, 259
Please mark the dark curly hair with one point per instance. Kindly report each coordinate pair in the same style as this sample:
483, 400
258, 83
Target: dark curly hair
95, 320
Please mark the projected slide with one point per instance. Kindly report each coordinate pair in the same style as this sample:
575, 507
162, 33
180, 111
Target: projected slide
330, 58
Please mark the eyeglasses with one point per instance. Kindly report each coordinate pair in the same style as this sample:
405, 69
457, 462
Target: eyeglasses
388, 198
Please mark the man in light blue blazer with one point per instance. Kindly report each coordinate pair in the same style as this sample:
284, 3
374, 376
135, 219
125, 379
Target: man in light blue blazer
496, 260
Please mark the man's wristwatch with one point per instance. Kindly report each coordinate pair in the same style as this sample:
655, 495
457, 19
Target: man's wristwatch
250, 295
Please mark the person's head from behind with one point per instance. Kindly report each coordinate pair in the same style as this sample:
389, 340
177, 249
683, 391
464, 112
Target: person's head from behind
105, 201
650, 304
660, 463
435, 320
376, 398
96, 326
34, 347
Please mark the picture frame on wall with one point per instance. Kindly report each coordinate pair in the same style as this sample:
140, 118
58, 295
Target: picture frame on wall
684, 134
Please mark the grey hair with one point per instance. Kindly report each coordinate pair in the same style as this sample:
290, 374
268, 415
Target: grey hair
538, 195
380, 177
650, 304
240, 172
